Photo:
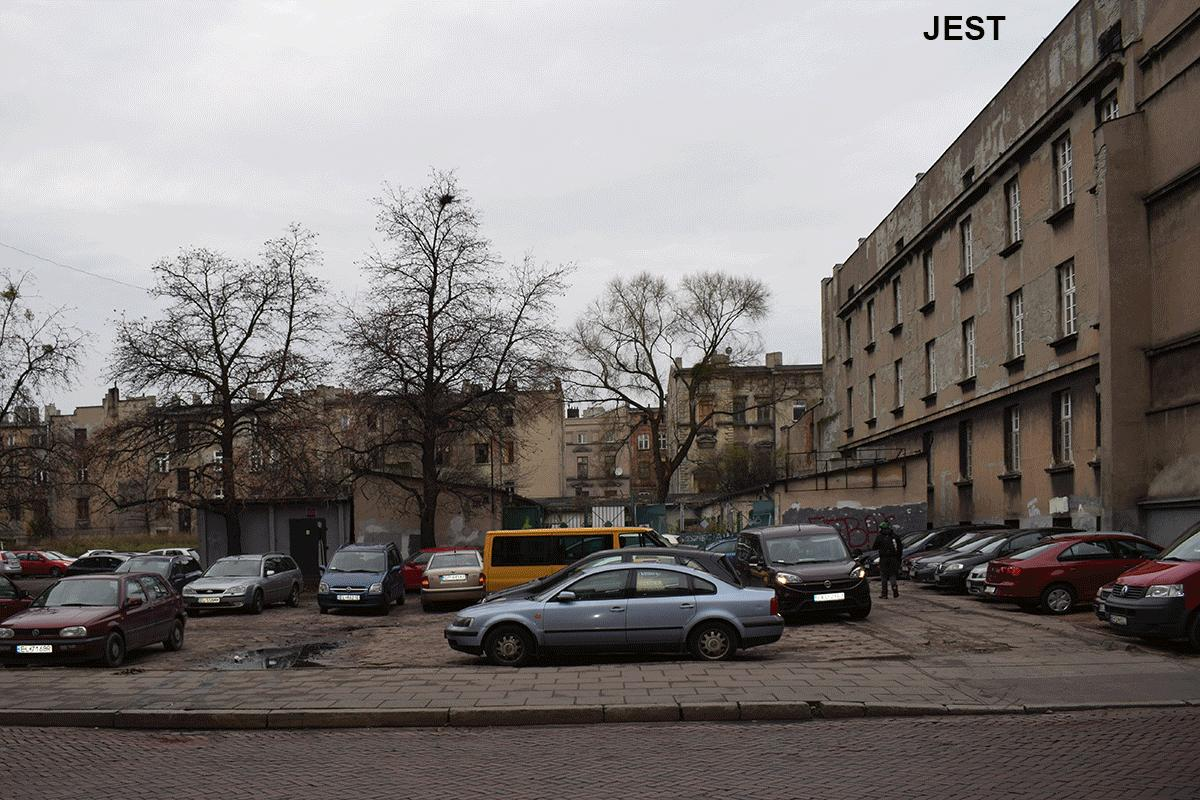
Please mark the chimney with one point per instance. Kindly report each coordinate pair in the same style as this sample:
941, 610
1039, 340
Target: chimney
774, 360
112, 399
195, 399
678, 362
861, 239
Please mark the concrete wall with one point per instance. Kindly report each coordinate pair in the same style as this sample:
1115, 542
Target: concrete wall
385, 513
266, 528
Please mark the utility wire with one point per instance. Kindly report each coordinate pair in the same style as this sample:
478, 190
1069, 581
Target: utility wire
75, 269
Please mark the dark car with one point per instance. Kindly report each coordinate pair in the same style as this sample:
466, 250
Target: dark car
726, 546
12, 599
94, 618
714, 563
809, 567
178, 571
926, 542
952, 571
923, 568
362, 576
956, 544
870, 558
98, 565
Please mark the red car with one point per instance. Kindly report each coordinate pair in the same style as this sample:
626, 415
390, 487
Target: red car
40, 562
414, 568
94, 618
1160, 598
1065, 570
12, 599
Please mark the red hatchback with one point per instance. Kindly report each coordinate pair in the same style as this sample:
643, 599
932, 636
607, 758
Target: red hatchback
414, 567
94, 618
1066, 570
41, 562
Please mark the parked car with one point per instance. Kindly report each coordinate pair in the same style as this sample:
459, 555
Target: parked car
246, 583
726, 546
9, 563
955, 545
178, 571
453, 577
922, 541
715, 563
98, 565
414, 567
1159, 598
511, 558
870, 558
94, 618
42, 562
622, 607
189, 552
100, 552
362, 576
1058, 573
951, 572
809, 567
12, 599
976, 580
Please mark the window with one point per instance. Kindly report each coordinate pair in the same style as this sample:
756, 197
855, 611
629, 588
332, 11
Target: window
1012, 439
603, 586
968, 337
871, 397
541, 551
1064, 178
1062, 427
581, 437
83, 508
849, 336
739, 411
182, 479
344, 422
968, 250
662, 442
1067, 310
81, 436
1016, 324
660, 583
256, 460
154, 587
849, 406
509, 452
41, 476
643, 441
162, 463
218, 457
134, 590
185, 520
763, 413
1086, 551
11, 440
927, 267
798, 410
871, 320
506, 417
1107, 108
81, 474
643, 471
898, 379
930, 367
581, 467
701, 586
219, 493
610, 437
1012, 203
482, 453
965, 464
897, 303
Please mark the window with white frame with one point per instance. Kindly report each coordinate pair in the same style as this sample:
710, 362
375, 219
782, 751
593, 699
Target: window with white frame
1067, 308
218, 457
1061, 402
162, 463
643, 441
968, 339
1108, 108
968, 247
898, 381
1016, 324
581, 437
1012, 439
1012, 203
870, 397
871, 320
256, 459
930, 367
927, 266
1064, 176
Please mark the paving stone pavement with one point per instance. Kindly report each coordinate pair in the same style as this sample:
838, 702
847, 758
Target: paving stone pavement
1143, 753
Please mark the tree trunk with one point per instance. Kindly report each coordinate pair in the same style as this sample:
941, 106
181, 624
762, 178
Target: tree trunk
429, 492
232, 508
233, 531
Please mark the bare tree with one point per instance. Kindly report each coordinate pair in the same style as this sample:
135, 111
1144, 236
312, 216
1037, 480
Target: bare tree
239, 336
631, 342
444, 339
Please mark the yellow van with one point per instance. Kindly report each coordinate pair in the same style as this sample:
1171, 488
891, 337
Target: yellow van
511, 558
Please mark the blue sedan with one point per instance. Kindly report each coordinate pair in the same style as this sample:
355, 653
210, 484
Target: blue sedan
622, 607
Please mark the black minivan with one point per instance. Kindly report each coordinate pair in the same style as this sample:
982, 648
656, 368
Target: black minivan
809, 566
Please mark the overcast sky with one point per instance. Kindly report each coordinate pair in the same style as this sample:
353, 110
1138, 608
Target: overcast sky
762, 137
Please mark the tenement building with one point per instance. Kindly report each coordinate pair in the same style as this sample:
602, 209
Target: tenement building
1021, 334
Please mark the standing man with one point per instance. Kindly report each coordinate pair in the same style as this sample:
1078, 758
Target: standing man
890, 550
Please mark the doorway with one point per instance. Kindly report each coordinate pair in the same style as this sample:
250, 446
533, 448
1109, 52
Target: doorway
307, 540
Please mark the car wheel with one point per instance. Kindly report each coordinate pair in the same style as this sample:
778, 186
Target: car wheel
256, 603
400, 599
55, 572
713, 641
1193, 631
293, 599
193, 612
1058, 598
509, 646
175, 640
114, 650
386, 608
860, 613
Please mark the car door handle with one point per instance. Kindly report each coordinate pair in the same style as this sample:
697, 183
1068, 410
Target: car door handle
687, 605
617, 608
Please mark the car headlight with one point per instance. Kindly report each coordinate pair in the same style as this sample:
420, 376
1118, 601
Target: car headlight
376, 588
6, 633
858, 572
323, 587
73, 632
979, 572
239, 589
787, 578
1103, 591
954, 567
463, 622
1166, 590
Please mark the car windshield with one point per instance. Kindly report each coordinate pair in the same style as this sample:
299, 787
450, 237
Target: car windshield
420, 558
78, 593
814, 549
358, 561
913, 538
160, 566
1033, 551
992, 546
58, 555
443, 560
978, 544
966, 538
1186, 550
235, 568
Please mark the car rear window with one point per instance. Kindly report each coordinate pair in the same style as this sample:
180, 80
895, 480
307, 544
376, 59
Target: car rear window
444, 560
1033, 552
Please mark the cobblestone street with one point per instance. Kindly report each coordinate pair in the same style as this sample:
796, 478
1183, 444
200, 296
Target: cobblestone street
1047, 756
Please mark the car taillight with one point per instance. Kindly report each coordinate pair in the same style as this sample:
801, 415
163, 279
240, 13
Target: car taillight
482, 579
424, 583
1014, 571
774, 605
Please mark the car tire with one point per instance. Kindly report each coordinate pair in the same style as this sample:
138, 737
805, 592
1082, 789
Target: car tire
1058, 599
860, 613
427, 607
713, 641
386, 608
114, 650
400, 599
174, 640
1193, 631
192, 612
293, 598
509, 646
256, 603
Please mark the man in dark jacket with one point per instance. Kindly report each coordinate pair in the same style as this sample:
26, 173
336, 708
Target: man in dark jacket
887, 542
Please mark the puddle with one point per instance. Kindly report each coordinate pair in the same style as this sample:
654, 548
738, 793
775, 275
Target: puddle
296, 657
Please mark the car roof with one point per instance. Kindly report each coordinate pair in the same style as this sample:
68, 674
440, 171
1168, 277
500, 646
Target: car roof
656, 565
362, 546
1093, 536
791, 530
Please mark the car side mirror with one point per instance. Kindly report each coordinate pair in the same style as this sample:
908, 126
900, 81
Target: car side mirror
565, 597
133, 602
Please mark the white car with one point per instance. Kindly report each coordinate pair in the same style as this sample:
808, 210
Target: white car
187, 552
100, 552
9, 563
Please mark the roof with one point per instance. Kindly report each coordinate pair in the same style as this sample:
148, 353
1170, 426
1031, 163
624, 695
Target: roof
366, 546
791, 530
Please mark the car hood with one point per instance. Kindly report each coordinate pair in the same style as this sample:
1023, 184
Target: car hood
969, 560
938, 558
502, 605
1160, 572
357, 580
58, 617
221, 583
817, 572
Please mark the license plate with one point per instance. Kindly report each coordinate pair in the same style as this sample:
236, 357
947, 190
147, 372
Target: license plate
210, 599
453, 578
350, 597
1117, 619
822, 598
1101, 607
989, 590
35, 648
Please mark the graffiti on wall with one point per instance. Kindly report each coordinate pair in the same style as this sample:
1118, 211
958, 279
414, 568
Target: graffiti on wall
859, 526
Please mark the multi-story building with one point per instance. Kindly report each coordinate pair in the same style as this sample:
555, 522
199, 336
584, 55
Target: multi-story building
595, 453
1021, 332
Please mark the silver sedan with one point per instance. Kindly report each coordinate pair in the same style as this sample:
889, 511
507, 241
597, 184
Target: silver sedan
622, 607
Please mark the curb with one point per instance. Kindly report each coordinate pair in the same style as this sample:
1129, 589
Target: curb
504, 716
